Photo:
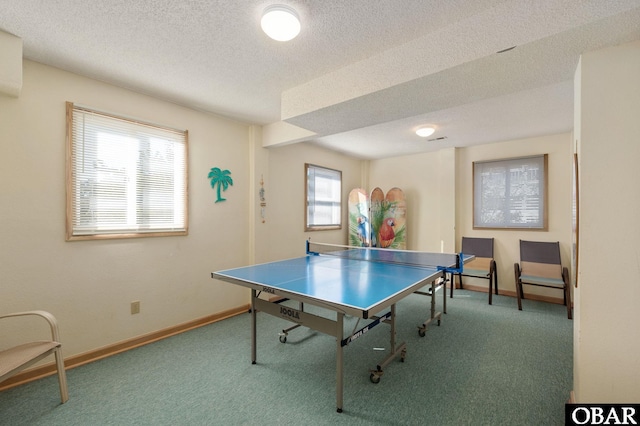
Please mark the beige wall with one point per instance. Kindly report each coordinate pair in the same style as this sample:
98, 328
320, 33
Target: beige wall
89, 285
428, 182
506, 245
285, 235
606, 327
259, 177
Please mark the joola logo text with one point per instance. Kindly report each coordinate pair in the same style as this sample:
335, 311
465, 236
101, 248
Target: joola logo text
288, 312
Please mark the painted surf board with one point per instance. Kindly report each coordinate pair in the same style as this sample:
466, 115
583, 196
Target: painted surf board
394, 224
359, 224
376, 215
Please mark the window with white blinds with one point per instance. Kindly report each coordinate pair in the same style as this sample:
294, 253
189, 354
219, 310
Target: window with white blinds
125, 178
323, 194
510, 193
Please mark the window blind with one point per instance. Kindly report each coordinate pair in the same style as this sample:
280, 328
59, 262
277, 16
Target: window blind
126, 177
510, 193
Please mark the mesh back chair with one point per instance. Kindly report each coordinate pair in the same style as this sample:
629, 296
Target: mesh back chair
540, 265
483, 266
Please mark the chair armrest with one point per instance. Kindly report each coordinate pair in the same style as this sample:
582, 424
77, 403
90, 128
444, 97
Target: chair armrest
53, 324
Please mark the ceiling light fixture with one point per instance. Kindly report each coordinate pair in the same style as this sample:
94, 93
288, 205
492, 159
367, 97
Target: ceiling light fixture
425, 132
280, 22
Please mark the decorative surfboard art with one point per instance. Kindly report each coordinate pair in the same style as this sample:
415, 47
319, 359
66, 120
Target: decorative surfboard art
359, 225
392, 232
376, 214
377, 220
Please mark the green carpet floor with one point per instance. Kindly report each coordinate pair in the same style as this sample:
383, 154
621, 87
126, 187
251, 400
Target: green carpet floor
484, 365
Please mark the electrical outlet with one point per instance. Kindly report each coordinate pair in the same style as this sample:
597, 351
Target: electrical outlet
135, 307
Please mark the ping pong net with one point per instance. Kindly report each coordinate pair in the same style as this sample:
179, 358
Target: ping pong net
440, 261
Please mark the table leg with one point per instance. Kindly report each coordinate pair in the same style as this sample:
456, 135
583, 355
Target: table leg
433, 298
339, 361
444, 293
393, 328
253, 326
393, 350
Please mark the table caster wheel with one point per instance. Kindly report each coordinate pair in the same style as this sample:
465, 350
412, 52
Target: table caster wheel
283, 338
422, 331
374, 378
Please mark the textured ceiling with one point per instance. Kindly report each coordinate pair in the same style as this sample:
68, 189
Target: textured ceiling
361, 75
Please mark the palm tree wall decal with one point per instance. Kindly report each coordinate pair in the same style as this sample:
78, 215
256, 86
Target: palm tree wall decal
220, 179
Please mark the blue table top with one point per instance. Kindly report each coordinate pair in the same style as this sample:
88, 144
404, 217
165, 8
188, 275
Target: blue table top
334, 281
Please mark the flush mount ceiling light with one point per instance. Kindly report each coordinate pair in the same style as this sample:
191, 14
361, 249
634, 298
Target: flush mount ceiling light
280, 22
425, 132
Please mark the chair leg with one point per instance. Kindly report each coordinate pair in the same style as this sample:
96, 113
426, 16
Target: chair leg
452, 282
460, 280
495, 277
490, 290
567, 291
519, 293
62, 376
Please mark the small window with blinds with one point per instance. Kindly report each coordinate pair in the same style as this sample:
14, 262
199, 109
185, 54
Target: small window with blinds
125, 178
510, 193
323, 198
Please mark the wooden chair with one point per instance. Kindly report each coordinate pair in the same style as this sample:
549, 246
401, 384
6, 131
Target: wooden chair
483, 266
17, 358
540, 265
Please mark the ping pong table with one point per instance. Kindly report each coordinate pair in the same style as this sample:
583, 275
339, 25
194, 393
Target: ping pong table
365, 283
